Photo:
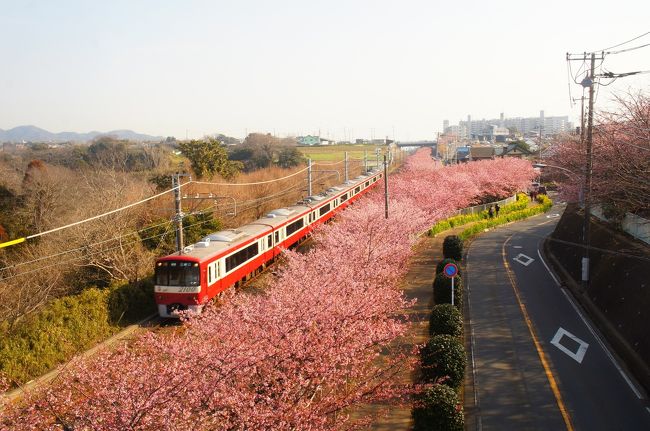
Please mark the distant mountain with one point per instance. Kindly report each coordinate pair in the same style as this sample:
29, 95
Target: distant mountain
36, 134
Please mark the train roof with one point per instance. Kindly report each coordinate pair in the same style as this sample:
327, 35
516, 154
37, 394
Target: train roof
220, 241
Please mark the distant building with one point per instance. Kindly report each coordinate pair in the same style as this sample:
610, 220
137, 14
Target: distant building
308, 140
475, 129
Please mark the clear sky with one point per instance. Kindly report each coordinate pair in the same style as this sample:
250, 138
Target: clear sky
346, 68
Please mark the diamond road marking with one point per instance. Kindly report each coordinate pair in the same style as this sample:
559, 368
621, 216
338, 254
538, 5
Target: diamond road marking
578, 355
523, 259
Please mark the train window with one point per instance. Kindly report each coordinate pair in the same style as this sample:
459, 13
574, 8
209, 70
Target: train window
177, 273
295, 226
357, 190
344, 197
277, 237
269, 241
324, 210
367, 183
234, 260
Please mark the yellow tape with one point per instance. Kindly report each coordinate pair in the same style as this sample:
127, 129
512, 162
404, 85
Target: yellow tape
12, 242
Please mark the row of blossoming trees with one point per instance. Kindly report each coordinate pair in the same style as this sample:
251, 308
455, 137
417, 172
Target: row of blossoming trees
621, 159
298, 356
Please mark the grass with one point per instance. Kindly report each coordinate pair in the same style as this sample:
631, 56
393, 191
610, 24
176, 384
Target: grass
335, 153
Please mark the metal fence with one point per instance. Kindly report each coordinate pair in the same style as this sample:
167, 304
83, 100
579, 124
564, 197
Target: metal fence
478, 208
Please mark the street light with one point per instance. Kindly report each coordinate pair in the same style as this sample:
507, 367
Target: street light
585, 223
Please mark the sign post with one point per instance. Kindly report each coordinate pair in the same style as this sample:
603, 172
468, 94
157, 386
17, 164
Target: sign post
451, 270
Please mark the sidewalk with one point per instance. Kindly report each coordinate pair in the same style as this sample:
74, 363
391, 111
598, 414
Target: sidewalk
416, 285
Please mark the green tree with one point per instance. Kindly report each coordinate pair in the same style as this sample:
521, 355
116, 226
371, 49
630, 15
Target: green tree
209, 157
522, 144
290, 157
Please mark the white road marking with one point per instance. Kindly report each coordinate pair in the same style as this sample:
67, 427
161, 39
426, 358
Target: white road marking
648, 409
547, 267
578, 355
523, 259
602, 345
517, 246
555, 215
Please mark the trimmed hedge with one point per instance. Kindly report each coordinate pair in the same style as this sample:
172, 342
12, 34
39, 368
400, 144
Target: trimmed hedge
438, 408
460, 220
445, 320
70, 325
443, 361
452, 248
545, 205
442, 290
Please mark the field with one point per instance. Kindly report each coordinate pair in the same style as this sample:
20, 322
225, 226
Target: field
335, 153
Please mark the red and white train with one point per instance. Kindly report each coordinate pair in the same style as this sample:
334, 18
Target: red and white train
188, 280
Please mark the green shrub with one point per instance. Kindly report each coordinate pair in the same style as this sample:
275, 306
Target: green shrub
441, 226
65, 327
70, 325
441, 265
442, 290
438, 408
129, 303
462, 219
445, 319
452, 248
443, 361
507, 217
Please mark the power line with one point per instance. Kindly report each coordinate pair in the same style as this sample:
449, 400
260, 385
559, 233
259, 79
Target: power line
19, 240
627, 41
249, 205
97, 252
627, 49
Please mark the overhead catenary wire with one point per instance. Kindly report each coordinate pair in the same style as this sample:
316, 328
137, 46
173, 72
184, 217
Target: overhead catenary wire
248, 184
23, 239
248, 204
96, 252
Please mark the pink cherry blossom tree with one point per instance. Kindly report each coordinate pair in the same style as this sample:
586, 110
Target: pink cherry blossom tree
300, 354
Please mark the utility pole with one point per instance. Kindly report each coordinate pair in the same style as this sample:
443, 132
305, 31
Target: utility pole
178, 217
346, 167
590, 124
385, 186
365, 160
308, 177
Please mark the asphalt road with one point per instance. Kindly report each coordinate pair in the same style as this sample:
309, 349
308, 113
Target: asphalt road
538, 362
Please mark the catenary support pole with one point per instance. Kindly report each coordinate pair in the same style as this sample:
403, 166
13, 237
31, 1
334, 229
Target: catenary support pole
308, 177
385, 186
178, 218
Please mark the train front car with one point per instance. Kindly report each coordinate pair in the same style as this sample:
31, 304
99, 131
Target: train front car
178, 285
